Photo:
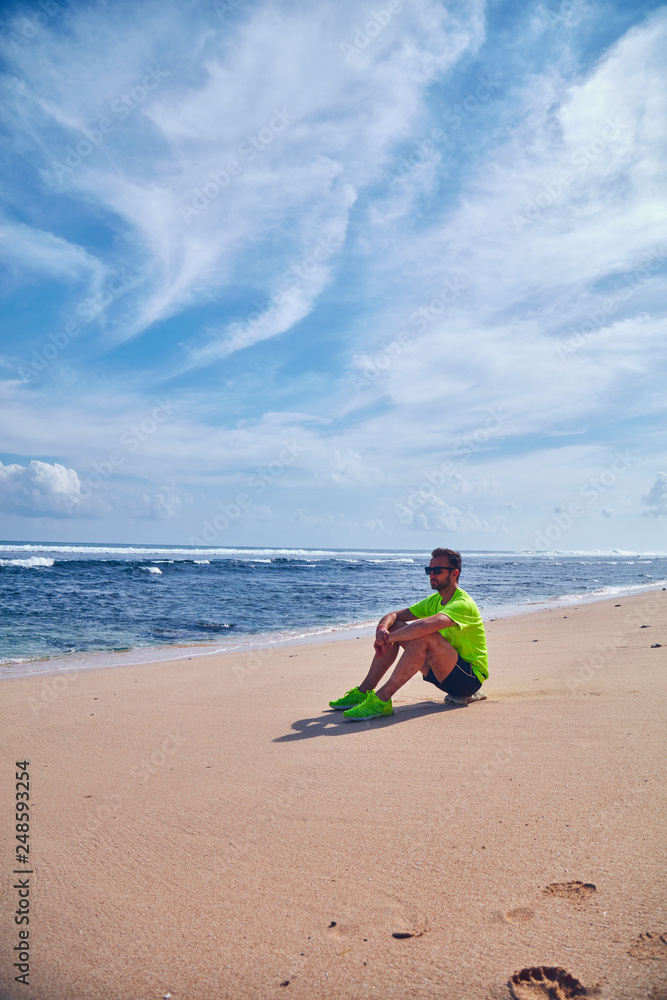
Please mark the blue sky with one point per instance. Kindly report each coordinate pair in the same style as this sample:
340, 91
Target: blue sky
390, 275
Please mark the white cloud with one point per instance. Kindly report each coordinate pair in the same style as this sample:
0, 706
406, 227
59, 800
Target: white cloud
327, 520
39, 489
655, 498
165, 503
428, 512
347, 468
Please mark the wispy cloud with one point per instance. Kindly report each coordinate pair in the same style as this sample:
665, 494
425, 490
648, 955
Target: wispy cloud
199, 168
24, 249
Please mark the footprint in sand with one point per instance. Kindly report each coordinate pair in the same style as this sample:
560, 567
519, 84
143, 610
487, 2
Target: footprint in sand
574, 892
649, 946
413, 927
521, 915
548, 982
403, 921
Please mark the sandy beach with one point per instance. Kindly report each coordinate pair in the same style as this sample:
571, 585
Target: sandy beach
209, 829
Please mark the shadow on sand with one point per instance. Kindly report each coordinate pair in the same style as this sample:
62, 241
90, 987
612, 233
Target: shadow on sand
332, 723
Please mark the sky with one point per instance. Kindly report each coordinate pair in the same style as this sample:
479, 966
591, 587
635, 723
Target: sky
338, 274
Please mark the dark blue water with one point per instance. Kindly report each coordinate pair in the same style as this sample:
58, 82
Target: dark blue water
76, 598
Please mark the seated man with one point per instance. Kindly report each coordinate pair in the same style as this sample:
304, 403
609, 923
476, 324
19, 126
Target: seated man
442, 636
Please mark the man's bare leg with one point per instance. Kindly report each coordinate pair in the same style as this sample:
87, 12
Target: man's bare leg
419, 654
379, 667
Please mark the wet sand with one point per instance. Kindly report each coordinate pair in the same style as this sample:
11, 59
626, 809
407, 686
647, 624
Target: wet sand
208, 829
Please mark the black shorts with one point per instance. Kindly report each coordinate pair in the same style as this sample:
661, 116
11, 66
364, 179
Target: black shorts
461, 682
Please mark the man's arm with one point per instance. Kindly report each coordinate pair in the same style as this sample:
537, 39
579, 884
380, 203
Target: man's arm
415, 627
405, 615
387, 622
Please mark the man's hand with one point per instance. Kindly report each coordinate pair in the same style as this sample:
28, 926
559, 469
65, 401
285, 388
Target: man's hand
382, 633
381, 639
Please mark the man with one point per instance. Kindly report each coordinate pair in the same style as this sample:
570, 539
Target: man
442, 636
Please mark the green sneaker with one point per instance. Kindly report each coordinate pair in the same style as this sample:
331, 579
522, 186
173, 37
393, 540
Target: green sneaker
370, 708
351, 698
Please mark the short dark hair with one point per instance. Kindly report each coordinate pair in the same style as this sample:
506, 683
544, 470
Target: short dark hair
451, 555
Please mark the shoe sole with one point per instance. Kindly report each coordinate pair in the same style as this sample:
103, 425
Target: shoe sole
363, 718
344, 708
451, 700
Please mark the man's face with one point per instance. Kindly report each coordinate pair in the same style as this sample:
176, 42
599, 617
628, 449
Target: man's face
441, 579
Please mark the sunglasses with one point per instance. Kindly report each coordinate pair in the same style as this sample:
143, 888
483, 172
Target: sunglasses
436, 569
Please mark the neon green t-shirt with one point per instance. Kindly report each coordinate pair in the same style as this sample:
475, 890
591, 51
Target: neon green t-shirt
467, 636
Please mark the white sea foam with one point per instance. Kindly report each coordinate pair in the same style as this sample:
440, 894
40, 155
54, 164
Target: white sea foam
202, 562
393, 560
610, 591
152, 569
159, 553
34, 562
166, 551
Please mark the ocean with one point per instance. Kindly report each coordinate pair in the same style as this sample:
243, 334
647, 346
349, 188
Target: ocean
82, 599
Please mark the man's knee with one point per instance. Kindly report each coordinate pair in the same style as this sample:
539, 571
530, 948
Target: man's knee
425, 667
421, 643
